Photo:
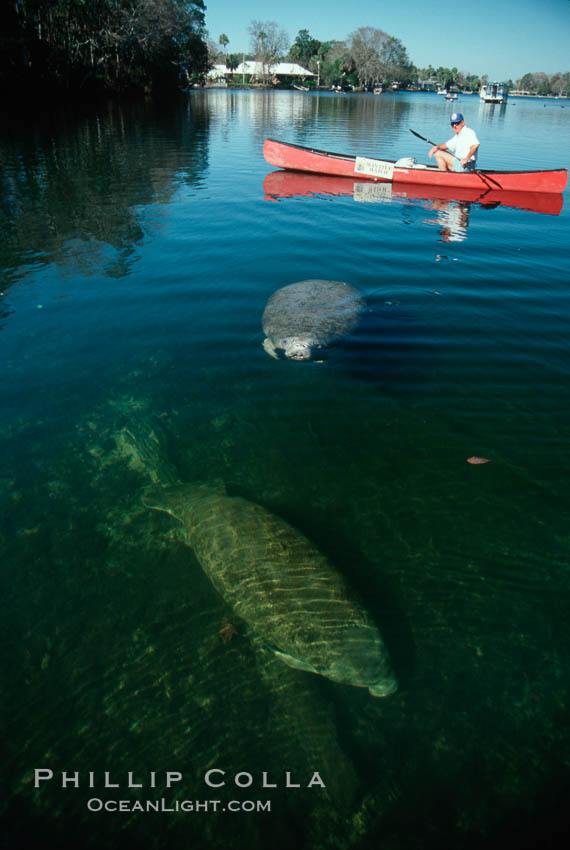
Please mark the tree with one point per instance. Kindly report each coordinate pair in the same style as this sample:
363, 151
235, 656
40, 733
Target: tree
560, 84
394, 61
541, 83
304, 48
365, 45
471, 82
336, 63
224, 41
72, 44
157, 40
214, 54
232, 61
537, 82
268, 43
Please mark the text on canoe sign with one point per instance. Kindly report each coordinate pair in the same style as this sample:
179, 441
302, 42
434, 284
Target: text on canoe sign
374, 167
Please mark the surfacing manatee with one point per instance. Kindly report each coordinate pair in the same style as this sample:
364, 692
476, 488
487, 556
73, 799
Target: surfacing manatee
276, 580
304, 318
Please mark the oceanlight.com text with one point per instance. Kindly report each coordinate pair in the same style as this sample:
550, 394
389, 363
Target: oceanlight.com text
95, 804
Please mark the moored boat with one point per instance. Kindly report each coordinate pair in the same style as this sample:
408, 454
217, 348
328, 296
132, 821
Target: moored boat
298, 158
494, 92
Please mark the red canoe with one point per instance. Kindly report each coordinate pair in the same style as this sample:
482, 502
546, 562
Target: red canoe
298, 158
289, 184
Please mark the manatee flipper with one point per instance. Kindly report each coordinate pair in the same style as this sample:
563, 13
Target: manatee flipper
174, 499
269, 348
296, 663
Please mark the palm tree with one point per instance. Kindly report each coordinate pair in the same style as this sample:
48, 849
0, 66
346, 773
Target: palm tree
232, 61
224, 41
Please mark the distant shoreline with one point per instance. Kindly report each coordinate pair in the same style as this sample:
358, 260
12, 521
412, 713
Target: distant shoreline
327, 90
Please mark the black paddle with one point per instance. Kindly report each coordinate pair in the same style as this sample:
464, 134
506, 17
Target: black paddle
484, 177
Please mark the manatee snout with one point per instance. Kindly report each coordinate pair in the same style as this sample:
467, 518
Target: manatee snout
293, 349
364, 661
298, 349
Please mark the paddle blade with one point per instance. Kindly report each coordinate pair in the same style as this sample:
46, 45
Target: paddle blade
423, 138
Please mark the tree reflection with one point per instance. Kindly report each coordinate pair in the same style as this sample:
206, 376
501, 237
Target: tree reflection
73, 185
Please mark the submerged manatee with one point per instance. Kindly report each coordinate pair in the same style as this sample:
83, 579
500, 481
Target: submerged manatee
302, 319
276, 580
289, 722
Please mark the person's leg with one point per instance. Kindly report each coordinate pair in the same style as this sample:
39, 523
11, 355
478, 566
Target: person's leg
445, 161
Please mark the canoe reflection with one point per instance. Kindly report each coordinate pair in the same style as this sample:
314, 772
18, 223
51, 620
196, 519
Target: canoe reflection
287, 184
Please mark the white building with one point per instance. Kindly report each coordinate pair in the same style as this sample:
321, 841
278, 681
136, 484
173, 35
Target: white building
256, 69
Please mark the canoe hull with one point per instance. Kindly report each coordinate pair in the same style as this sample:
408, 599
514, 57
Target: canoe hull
298, 158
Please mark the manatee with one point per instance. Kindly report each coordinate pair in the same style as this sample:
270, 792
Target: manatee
290, 722
284, 588
304, 318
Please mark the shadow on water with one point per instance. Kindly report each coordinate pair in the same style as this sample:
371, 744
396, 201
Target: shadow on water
390, 348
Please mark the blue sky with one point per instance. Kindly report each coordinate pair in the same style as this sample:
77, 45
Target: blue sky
501, 38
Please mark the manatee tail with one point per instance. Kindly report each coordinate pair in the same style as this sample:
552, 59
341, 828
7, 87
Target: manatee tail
143, 443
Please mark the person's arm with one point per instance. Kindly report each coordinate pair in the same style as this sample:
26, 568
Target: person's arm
444, 146
470, 153
441, 147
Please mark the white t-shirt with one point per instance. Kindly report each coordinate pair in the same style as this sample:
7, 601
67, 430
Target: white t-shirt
462, 142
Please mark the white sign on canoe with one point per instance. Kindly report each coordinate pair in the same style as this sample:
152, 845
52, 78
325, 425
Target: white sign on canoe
374, 168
